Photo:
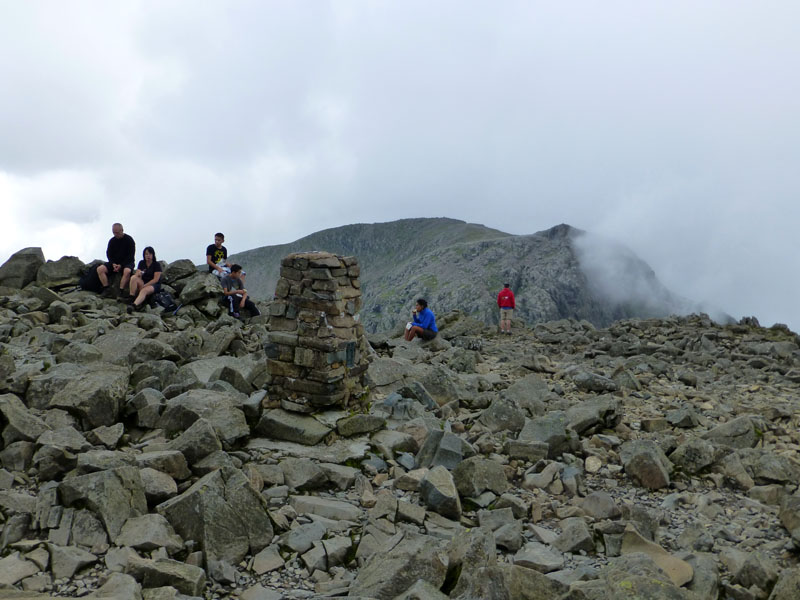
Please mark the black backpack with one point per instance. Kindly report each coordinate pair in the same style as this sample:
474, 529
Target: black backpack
89, 281
165, 300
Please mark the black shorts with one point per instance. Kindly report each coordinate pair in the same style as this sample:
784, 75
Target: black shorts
156, 286
427, 334
110, 267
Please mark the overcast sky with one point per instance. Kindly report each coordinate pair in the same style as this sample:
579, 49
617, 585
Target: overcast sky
672, 127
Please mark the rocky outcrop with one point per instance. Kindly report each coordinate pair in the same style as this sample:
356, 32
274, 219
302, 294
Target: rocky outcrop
558, 273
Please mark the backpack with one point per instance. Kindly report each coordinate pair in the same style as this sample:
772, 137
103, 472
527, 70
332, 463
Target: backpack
165, 300
89, 281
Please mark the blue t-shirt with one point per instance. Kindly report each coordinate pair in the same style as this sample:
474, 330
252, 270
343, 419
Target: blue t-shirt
425, 319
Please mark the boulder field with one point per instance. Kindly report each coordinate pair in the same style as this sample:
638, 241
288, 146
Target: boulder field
141, 457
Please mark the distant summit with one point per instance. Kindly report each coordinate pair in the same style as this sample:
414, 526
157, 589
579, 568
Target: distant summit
558, 273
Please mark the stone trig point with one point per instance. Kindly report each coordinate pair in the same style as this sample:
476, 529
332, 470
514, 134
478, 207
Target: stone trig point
316, 355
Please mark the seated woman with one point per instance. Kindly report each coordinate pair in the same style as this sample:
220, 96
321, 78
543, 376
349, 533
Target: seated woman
423, 322
145, 280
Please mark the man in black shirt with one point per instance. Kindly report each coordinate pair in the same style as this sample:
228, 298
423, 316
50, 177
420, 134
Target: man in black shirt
120, 253
217, 256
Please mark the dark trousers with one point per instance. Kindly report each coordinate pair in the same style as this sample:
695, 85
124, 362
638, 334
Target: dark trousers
234, 302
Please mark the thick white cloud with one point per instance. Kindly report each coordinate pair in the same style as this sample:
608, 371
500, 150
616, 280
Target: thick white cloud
671, 128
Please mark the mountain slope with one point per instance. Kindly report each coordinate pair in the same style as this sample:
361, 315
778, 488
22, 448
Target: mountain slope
558, 273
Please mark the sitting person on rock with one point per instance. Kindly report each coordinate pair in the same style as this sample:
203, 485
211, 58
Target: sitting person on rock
121, 253
146, 279
235, 295
423, 322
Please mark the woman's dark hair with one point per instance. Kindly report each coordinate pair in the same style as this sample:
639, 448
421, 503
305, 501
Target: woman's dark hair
422, 302
151, 251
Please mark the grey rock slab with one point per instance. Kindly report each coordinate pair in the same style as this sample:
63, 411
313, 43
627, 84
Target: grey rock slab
158, 486
646, 463
269, 559
340, 451
292, 427
65, 561
21, 268
115, 496
119, 587
443, 448
575, 536
170, 462
223, 514
759, 570
187, 579
302, 474
198, 441
325, 507
21, 423
537, 556
550, 429
102, 460
502, 415
438, 491
301, 538
736, 433
359, 424
695, 455
149, 532
476, 475
600, 505
259, 592
507, 582
107, 436
96, 397
592, 382
222, 410
14, 568
388, 574
422, 590
788, 585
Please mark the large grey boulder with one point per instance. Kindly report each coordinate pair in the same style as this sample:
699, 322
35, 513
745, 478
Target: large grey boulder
438, 491
528, 393
96, 397
116, 345
476, 475
200, 286
42, 387
222, 410
187, 579
552, 429
391, 572
67, 270
223, 514
20, 423
736, 433
508, 582
149, 532
646, 463
501, 415
280, 424
197, 442
115, 496
20, 270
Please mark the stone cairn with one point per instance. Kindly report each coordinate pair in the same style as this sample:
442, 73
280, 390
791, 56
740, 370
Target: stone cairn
317, 353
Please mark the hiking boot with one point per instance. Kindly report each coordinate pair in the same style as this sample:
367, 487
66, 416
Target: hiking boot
107, 292
129, 309
236, 315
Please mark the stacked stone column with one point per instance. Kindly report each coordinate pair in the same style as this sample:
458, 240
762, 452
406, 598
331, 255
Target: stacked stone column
316, 355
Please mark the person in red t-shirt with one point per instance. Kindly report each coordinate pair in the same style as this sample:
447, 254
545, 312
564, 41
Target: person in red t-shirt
505, 300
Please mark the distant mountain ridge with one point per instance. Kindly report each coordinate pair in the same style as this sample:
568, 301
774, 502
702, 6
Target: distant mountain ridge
558, 273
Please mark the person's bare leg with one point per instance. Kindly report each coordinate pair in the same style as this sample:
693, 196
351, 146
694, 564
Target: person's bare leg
102, 275
126, 277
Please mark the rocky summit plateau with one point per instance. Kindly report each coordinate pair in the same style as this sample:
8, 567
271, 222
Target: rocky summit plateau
180, 455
